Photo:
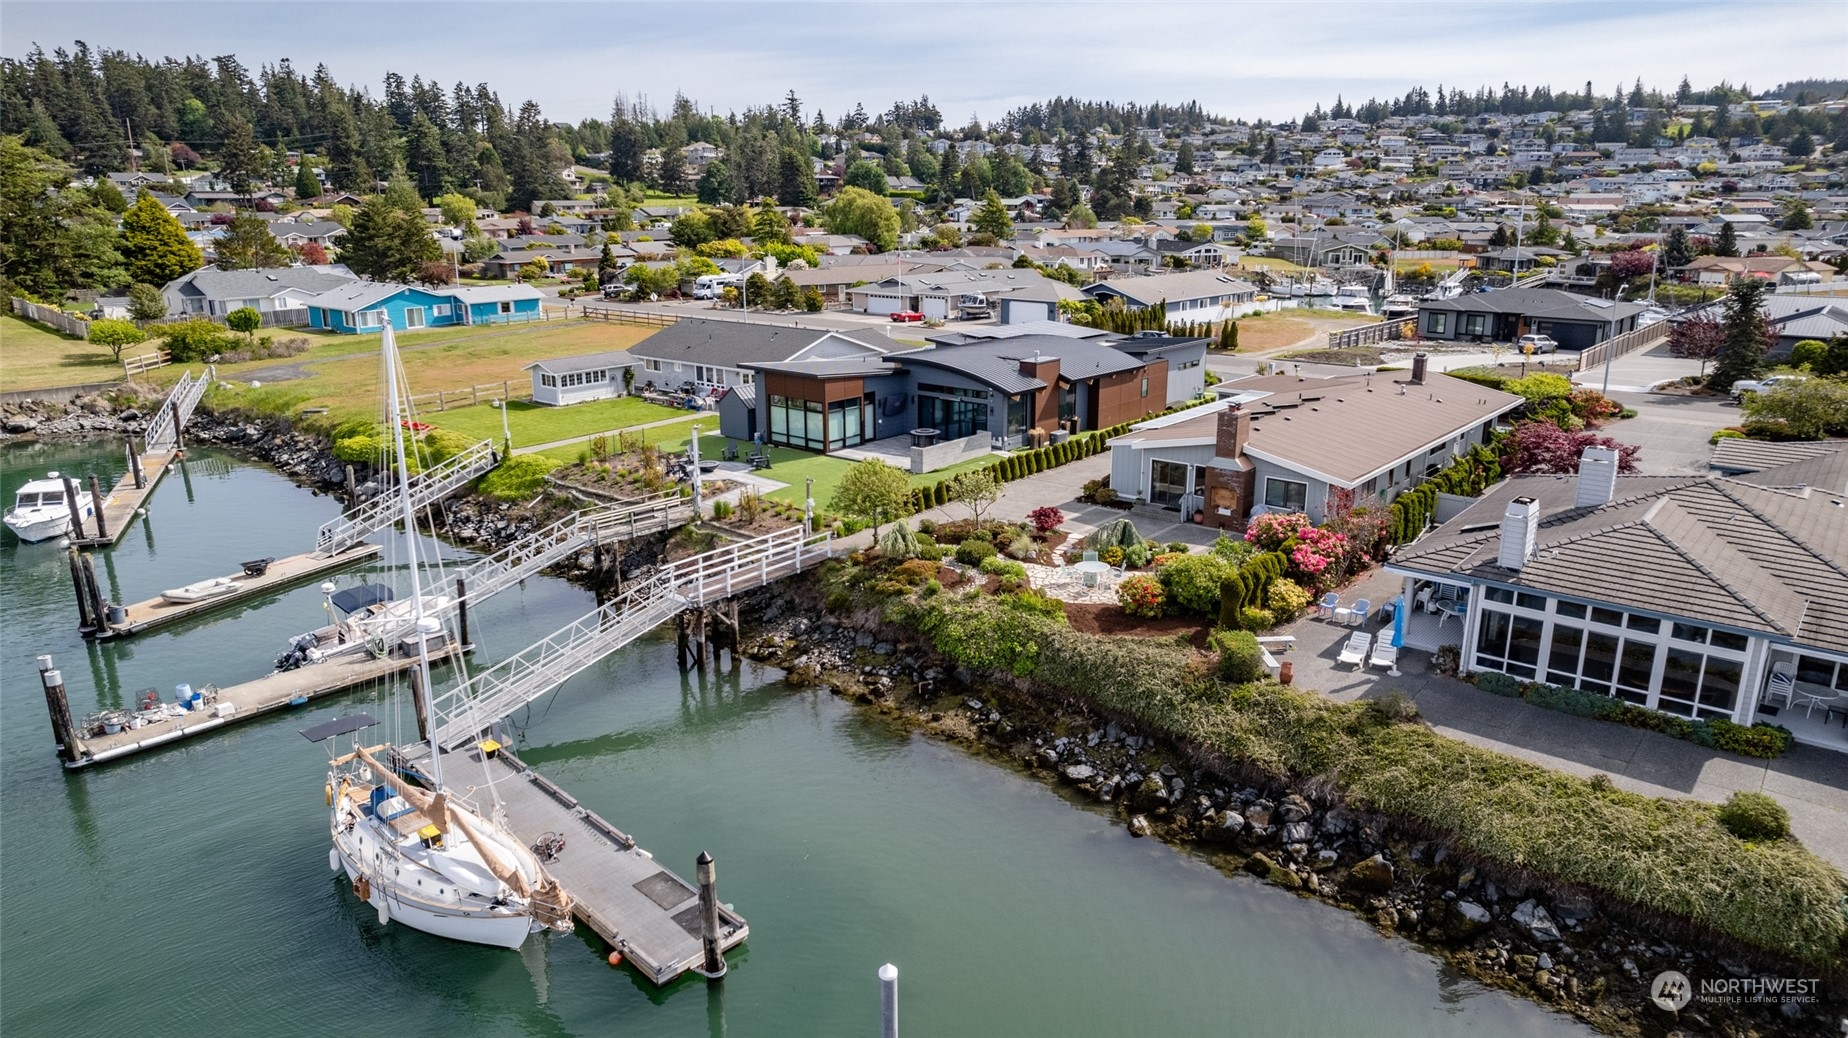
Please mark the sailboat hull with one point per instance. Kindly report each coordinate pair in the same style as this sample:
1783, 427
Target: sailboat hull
393, 886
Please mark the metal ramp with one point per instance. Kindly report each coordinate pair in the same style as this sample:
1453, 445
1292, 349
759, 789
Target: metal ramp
427, 487
465, 710
495, 573
164, 429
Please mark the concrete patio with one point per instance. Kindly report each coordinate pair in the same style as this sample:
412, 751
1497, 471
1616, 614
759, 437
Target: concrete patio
1811, 783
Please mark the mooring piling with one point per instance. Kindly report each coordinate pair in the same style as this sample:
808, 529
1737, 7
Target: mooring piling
59, 707
707, 875
96, 498
888, 1001
99, 613
85, 622
352, 485
128, 455
70, 497
462, 608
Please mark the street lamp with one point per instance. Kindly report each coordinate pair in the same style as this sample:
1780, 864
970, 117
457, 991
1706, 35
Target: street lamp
693, 458
808, 506
506, 433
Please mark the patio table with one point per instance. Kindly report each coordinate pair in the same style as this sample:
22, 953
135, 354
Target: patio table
1814, 695
1454, 607
1092, 571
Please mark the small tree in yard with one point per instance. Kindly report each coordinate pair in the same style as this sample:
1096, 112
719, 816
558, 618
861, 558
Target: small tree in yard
534, 270
145, 303
1542, 447
116, 336
244, 319
1806, 410
1046, 518
1697, 338
1747, 335
434, 273
975, 490
871, 490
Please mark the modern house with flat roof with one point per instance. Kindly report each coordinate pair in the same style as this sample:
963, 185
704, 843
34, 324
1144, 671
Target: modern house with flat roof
1575, 322
1282, 443
1702, 596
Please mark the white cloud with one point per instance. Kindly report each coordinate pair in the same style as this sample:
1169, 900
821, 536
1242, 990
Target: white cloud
1254, 59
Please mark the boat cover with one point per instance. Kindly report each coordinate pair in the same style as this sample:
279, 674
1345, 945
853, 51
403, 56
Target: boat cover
338, 726
353, 599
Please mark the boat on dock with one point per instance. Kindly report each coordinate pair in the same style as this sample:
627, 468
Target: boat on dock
41, 509
1354, 299
1399, 307
369, 619
201, 591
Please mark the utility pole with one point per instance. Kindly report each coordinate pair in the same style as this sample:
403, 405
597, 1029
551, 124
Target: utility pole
130, 128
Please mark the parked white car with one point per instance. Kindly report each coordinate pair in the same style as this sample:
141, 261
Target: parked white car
1536, 344
1760, 385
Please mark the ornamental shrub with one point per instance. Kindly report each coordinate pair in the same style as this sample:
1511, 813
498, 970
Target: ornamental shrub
1755, 817
357, 449
995, 565
973, 552
1287, 599
1240, 658
518, 477
1112, 555
1499, 684
1192, 582
1046, 518
1141, 595
1766, 741
1256, 618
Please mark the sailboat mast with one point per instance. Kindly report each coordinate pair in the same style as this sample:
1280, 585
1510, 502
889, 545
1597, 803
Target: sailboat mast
388, 348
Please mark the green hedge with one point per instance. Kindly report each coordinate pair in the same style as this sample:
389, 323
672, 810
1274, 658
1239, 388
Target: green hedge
1670, 856
1249, 588
1467, 476
1766, 741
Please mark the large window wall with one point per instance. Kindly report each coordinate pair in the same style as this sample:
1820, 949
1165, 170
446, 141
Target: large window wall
808, 425
951, 410
1682, 668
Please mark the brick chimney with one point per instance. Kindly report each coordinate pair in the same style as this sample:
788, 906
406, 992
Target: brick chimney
1233, 433
1418, 368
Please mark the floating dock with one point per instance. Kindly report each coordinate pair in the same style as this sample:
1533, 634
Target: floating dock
164, 446
234, 705
158, 612
643, 910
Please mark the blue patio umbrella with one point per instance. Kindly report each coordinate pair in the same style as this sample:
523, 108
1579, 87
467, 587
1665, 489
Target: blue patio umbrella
1398, 622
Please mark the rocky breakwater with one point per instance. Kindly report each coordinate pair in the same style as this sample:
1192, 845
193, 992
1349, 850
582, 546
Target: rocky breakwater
124, 412
1560, 947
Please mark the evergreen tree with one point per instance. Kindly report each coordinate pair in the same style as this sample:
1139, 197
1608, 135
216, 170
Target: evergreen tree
992, 219
306, 184
154, 245
1747, 336
865, 175
770, 227
1677, 250
1727, 243
1184, 158
1797, 218
238, 160
795, 179
607, 271
626, 147
426, 159
248, 244
401, 194
672, 174
715, 185
949, 175
387, 244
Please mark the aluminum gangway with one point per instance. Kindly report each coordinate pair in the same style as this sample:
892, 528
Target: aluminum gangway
471, 706
492, 574
427, 487
163, 432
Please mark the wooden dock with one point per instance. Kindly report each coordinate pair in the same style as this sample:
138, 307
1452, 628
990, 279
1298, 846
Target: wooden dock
239, 703
158, 612
643, 910
122, 503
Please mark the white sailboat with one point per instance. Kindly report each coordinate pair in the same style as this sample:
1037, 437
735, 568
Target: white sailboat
415, 853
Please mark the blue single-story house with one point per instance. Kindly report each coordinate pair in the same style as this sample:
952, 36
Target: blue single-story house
365, 306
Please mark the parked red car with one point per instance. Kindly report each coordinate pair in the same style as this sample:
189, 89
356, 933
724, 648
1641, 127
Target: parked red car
907, 315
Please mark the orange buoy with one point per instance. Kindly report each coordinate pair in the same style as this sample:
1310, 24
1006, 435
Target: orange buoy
615, 958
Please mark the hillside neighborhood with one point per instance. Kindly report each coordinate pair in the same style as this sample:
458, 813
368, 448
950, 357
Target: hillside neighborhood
1433, 505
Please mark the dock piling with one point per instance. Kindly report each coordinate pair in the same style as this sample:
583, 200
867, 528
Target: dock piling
128, 454
418, 693
85, 622
179, 424
352, 500
888, 1001
96, 498
707, 875
71, 499
462, 608
680, 640
99, 613
59, 706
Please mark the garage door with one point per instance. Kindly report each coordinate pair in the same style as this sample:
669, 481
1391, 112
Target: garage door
882, 304
1570, 336
934, 309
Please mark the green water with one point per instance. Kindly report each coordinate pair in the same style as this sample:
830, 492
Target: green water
186, 892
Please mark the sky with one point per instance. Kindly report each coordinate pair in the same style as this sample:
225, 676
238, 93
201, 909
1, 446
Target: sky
1252, 59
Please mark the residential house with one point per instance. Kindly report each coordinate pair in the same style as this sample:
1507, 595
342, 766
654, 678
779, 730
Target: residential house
560, 261
1574, 321
1205, 295
572, 380
211, 292
943, 295
1184, 254
707, 357
1700, 596
1795, 317
365, 306
1283, 443
294, 233
1719, 270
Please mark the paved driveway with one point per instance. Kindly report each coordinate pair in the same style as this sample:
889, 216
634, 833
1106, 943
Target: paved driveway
1671, 430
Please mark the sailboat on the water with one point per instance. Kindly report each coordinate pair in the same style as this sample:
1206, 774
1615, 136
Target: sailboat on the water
413, 850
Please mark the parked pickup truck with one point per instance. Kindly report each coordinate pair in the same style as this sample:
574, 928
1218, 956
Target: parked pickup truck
1760, 385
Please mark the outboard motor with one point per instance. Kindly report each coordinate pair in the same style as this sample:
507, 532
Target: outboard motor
299, 648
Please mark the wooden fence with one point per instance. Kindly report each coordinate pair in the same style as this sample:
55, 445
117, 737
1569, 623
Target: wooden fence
469, 396
145, 362
69, 324
642, 317
1625, 343
296, 318
1368, 334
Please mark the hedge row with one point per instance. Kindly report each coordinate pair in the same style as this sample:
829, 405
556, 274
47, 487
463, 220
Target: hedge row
1468, 476
1022, 464
1249, 586
1766, 741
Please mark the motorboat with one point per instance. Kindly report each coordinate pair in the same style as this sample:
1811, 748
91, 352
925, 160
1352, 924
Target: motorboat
1353, 299
1399, 307
40, 512
368, 620
1319, 286
199, 592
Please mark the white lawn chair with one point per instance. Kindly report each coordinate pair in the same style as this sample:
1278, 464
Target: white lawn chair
1385, 654
1354, 615
1782, 688
1355, 651
1423, 602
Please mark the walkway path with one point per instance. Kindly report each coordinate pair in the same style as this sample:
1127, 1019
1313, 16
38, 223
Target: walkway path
587, 437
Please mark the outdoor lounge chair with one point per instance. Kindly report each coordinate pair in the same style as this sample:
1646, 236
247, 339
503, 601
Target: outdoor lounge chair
1326, 607
1354, 615
1384, 654
1355, 651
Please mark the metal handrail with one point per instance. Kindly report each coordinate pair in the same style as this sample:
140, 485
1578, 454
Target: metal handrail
426, 488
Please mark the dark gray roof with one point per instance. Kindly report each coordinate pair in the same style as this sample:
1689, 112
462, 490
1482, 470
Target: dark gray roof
997, 362
1701, 547
838, 367
1549, 303
260, 283
1742, 455
583, 362
745, 395
733, 343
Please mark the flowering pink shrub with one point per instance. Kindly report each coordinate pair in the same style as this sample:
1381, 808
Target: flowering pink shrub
1272, 530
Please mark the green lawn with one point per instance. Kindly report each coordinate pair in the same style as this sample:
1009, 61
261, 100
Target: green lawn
794, 467
33, 356
536, 423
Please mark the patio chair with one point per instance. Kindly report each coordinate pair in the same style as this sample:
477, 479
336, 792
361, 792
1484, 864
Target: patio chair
1354, 615
1423, 602
1384, 654
1089, 556
1355, 651
1782, 687
1325, 609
